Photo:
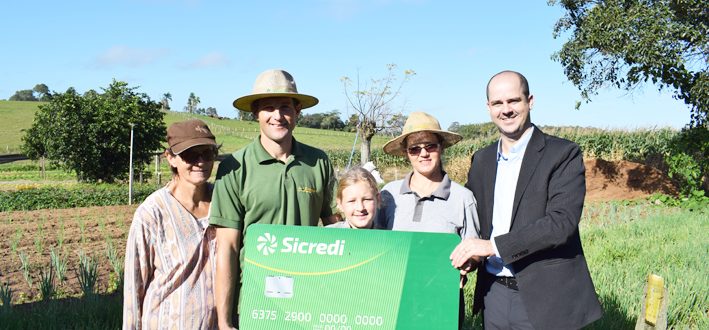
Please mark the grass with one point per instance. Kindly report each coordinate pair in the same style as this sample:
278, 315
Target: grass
623, 251
232, 134
97, 312
87, 275
46, 282
5, 296
59, 264
16, 116
24, 261
623, 242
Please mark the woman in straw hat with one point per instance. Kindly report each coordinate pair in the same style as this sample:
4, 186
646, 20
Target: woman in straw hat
169, 262
426, 199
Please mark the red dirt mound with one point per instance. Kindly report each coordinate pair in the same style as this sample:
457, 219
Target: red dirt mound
606, 181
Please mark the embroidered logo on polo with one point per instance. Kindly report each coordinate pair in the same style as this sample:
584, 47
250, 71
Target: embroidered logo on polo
307, 190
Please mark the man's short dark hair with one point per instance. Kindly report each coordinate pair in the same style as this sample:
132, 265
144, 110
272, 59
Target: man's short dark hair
522, 81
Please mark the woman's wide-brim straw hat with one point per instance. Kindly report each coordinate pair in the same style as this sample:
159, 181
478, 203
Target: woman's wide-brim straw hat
420, 122
274, 83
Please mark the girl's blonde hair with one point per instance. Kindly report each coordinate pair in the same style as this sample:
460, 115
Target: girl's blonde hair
354, 175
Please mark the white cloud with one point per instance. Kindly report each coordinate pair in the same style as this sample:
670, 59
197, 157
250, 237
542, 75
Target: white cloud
210, 60
126, 56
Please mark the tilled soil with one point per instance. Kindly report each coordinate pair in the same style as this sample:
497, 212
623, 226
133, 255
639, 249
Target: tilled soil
92, 230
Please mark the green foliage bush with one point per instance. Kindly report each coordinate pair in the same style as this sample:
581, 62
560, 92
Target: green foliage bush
90, 134
688, 160
83, 195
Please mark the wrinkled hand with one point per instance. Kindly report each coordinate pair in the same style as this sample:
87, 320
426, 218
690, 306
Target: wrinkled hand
470, 251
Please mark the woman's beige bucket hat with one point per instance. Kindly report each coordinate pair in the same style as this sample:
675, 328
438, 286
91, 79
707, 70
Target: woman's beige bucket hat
420, 122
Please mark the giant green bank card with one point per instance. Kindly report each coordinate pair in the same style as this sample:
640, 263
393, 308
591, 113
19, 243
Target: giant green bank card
340, 279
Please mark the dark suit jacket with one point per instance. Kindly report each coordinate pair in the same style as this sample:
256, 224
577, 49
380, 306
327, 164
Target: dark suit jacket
543, 245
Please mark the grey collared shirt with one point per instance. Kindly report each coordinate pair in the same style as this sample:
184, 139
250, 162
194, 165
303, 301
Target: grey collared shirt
451, 208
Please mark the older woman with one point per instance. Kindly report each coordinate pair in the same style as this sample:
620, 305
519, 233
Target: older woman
169, 263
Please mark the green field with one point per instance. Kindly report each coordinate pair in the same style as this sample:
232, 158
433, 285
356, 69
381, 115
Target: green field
232, 134
623, 243
14, 117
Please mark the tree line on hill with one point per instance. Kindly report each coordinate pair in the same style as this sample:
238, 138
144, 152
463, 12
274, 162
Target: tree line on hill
40, 92
332, 121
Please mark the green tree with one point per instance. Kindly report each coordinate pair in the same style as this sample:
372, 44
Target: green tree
624, 43
310, 120
477, 131
395, 124
192, 103
165, 101
42, 92
23, 95
373, 103
90, 134
212, 112
454, 127
331, 120
351, 124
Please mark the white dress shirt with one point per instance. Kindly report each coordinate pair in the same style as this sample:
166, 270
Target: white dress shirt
508, 167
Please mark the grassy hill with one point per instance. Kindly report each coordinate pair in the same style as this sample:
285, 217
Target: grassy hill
14, 117
232, 134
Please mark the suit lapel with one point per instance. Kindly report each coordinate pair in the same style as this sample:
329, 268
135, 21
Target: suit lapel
531, 159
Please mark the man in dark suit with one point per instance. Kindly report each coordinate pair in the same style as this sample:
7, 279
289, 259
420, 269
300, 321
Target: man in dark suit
530, 188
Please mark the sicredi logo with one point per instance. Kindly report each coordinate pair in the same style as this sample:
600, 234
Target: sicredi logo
268, 244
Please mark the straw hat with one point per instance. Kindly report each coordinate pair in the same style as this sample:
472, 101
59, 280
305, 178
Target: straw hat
420, 122
274, 83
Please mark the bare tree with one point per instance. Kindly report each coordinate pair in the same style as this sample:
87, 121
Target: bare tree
372, 102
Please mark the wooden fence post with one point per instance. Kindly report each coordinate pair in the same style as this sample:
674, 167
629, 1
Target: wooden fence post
654, 308
41, 164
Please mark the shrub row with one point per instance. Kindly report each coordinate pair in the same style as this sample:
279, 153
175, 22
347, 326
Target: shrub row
81, 195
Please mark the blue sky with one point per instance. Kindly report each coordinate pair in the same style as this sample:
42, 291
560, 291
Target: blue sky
217, 48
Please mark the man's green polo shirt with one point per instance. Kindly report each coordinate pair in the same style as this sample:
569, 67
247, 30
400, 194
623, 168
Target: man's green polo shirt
253, 187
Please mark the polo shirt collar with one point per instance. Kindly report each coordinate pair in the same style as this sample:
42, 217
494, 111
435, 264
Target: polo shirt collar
442, 192
263, 156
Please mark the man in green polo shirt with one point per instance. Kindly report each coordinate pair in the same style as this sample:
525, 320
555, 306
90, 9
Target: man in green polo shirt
274, 180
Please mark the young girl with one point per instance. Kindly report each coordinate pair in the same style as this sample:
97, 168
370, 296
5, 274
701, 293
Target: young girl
358, 199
